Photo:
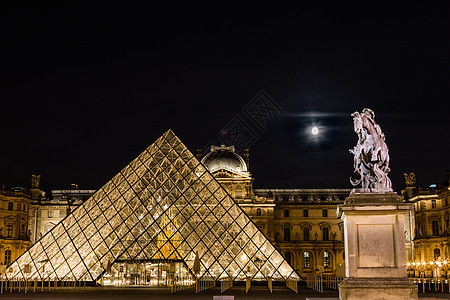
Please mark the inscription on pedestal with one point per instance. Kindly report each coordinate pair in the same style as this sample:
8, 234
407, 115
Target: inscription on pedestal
376, 246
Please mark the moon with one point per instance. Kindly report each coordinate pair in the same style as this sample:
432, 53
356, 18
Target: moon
314, 130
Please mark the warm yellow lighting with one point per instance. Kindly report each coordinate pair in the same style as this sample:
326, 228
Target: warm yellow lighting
408, 264
413, 263
431, 262
445, 262
423, 263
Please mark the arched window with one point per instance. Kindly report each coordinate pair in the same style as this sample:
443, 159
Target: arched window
7, 257
258, 212
437, 253
326, 259
306, 260
288, 256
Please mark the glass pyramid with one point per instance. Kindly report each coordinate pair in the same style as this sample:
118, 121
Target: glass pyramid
163, 205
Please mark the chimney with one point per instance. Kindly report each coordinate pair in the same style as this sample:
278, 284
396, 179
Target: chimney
247, 158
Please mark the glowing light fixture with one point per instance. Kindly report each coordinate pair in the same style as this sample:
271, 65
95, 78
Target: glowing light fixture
314, 130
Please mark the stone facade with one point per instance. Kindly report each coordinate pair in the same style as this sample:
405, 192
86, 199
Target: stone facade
46, 213
301, 223
432, 230
14, 235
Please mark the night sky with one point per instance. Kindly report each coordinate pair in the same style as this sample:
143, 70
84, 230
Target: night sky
86, 88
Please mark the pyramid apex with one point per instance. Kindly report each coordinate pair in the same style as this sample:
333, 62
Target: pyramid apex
169, 134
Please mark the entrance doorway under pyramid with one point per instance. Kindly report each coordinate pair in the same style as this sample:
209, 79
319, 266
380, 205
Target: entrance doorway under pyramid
165, 210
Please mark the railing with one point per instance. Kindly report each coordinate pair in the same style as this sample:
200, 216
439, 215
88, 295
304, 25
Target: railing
436, 284
317, 282
226, 284
292, 284
33, 284
204, 284
182, 283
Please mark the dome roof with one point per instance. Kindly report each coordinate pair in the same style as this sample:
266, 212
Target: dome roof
223, 157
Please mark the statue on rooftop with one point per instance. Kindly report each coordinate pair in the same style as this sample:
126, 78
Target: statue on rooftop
35, 179
371, 154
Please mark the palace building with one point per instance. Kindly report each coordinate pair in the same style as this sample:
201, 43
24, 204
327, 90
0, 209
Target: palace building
171, 215
161, 219
45, 213
14, 235
301, 223
432, 230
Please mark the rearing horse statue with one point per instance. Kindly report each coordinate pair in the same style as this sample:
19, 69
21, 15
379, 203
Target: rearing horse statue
371, 154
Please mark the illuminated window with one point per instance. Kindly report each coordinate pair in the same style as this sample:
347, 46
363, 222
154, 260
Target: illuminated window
306, 234
325, 213
50, 213
326, 259
7, 257
286, 213
287, 234
435, 227
305, 213
306, 260
325, 235
437, 253
433, 203
258, 212
10, 206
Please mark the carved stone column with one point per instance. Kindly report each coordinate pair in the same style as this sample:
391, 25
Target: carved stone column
375, 254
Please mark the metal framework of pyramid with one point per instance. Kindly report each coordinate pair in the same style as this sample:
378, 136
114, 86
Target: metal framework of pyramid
163, 205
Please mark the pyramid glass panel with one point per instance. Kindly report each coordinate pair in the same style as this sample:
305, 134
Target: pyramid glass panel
164, 206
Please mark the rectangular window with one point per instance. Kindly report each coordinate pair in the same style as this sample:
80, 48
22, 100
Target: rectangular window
433, 203
287, 234
306, 260
10, 206
22, 232
50, 213
325, 213
306, 234
7, 257
435, 227
305, 213
286, 213
19, 206
9, 230
325, 236
326, 259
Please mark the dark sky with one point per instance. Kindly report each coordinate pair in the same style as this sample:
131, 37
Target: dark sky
85, 88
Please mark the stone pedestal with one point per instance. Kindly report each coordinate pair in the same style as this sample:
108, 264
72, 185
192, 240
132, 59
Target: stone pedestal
375, 255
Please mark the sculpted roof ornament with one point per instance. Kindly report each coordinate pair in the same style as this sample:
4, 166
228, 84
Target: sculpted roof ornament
371, 154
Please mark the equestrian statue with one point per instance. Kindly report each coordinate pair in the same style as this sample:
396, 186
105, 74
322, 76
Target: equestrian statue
371, 154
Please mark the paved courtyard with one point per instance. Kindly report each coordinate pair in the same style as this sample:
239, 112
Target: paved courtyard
256, 292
